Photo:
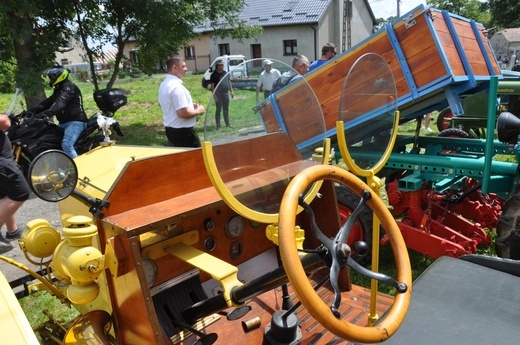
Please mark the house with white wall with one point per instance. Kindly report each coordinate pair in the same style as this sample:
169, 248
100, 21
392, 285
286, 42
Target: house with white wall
506, 45
290, 27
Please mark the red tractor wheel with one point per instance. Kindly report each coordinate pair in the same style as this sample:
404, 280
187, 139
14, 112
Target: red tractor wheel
443, 119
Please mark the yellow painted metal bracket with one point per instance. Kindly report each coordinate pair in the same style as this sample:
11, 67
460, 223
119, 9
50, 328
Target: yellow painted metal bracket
155, 251
272, 233
226, 274
375, 183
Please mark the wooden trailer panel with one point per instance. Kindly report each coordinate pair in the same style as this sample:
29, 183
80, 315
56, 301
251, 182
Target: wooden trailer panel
434, 56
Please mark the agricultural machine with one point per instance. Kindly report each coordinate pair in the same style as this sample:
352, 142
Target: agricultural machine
473, 122
447, 192
251, 239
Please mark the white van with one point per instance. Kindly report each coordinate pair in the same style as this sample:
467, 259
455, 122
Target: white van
230, 65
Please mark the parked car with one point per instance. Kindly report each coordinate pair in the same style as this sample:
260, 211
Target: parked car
231, 64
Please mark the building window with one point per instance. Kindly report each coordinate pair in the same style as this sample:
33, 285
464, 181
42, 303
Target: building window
223, 49
290, 47
133, 57
189, 53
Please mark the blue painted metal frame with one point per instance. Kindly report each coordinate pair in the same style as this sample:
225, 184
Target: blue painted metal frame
482, 46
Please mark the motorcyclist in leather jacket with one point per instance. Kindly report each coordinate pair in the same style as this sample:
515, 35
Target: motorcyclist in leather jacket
66, 103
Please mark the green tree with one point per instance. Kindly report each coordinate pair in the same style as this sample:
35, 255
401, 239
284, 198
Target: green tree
471, 9
36, 30
381, 22
161, 28
505, 13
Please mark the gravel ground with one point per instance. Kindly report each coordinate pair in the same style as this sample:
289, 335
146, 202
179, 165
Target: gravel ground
31, 209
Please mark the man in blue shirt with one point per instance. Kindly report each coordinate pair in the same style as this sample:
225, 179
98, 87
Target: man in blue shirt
328, 51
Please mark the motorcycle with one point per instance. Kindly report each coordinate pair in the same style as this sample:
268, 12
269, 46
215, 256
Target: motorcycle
31, 136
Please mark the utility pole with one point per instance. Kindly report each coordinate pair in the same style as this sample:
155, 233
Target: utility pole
398, 9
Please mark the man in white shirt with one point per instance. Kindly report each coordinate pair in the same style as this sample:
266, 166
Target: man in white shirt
267, 78
179, 111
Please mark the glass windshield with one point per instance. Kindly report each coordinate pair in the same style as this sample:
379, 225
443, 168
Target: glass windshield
367, 108
262, 139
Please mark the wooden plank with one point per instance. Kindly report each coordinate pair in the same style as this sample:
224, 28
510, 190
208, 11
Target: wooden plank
328, 83
302, 115
450, 50
354, 308
140, 183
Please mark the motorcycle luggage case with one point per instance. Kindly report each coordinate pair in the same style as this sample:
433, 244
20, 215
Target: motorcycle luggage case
110, 99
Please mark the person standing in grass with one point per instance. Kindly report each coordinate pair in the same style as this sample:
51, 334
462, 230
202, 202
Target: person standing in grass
14, 190
427, 118
267, 78
179, 111
221, 94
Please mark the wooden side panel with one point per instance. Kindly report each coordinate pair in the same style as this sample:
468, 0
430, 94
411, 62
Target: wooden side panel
303, 119
445, 38
422, 54
471, 47
146, 182
302, 114
429, 52
328, 81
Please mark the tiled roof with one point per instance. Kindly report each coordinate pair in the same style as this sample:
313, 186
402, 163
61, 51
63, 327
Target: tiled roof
284, 12
280, 12
511, 35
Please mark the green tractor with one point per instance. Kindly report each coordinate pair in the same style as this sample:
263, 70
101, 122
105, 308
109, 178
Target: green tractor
473, 122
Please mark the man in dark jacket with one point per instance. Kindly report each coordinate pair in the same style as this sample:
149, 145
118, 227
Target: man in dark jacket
66, 103
220, 94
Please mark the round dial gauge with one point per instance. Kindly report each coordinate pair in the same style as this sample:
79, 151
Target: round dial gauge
234, 226
210, 243
209, 224
150, 271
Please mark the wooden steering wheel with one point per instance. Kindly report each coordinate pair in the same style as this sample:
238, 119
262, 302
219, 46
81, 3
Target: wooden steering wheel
385, 327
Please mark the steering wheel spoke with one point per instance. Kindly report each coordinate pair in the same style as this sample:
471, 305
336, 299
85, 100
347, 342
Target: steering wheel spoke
338, 255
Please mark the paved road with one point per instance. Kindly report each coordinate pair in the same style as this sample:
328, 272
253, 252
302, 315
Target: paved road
31, 209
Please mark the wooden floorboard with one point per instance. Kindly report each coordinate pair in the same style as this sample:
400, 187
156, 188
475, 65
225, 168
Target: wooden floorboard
354, 308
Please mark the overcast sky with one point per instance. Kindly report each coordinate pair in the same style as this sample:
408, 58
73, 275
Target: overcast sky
388, 8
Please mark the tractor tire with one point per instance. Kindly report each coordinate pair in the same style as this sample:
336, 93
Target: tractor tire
362, 230
507, 243
443, 119
454, 133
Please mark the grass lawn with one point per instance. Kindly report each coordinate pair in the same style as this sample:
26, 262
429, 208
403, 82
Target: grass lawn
141, 118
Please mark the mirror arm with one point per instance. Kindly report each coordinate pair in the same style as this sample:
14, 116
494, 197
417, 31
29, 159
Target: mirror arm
96, 205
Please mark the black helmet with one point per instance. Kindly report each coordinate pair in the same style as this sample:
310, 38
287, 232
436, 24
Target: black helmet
57, 74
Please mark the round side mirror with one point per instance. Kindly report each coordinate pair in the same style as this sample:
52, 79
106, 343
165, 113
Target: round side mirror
53, 175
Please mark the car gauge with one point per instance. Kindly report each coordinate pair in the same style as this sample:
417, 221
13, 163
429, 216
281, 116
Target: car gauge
234, 226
